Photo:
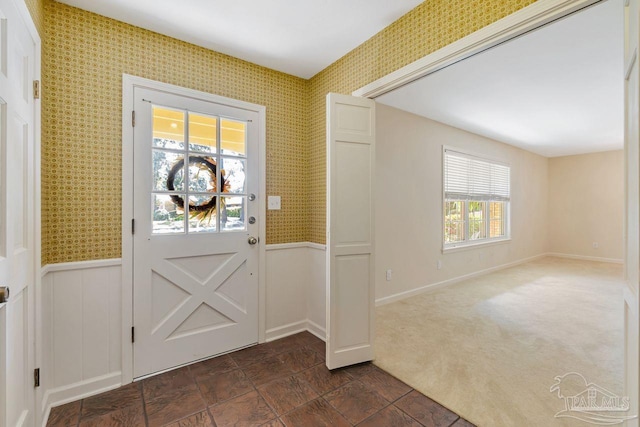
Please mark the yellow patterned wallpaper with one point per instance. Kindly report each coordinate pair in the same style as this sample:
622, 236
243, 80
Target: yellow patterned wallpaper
36, 9
427, 28
84, 56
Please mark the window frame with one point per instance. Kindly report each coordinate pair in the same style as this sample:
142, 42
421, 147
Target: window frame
466, 243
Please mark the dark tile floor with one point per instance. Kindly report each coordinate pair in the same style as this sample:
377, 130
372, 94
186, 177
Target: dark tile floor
281, 383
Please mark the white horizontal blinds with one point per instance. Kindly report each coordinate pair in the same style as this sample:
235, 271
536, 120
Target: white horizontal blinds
468, 177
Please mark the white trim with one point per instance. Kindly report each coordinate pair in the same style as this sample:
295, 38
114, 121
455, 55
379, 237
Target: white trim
128, 101
295, 245
586, 258
26, 16
295, 328
80, 265
317, 330
284, 246
80, 390
129, 82
317, 246
286, 330
531, 17
262, 208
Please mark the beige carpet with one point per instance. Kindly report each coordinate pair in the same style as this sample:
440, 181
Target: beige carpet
489, 348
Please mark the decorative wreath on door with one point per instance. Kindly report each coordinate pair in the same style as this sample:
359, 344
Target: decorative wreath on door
208, 165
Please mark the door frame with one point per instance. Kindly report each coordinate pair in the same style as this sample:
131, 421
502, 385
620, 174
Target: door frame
527, 19
36, 340
129, 83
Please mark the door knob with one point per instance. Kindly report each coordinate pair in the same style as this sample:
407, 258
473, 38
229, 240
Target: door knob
4, 294
252, 240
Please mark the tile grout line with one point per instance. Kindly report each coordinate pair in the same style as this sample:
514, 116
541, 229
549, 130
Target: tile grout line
144, 403
80, 412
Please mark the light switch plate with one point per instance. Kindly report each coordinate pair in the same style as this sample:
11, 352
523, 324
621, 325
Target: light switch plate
273, 202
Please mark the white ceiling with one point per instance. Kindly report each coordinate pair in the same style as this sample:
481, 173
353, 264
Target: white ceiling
299, 37
554, 91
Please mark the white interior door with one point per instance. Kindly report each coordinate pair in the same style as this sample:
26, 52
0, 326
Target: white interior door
632, 253
350, 232
17, 174
196, 189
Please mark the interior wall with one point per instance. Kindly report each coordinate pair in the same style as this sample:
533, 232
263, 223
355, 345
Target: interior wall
84, 57
86, 54
409, 203
586, 205
430, 26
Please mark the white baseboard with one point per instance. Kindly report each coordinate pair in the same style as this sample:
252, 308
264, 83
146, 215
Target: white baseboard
80, 390
294, 328
317, 330
433, 286
586, 258
286, 330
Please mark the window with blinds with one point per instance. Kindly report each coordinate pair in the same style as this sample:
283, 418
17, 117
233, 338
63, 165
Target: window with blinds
477, 193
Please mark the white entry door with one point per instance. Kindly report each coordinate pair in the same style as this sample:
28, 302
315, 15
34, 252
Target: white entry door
17, 189
195, 244
350, 229
632, 187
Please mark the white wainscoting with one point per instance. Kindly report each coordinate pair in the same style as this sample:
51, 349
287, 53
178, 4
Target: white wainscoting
81, 312
295, 289
82, 317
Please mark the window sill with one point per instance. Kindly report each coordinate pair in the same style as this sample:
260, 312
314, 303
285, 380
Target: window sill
478, 245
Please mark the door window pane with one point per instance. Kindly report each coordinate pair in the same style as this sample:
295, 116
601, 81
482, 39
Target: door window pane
203, 133
232, 214
202, 174
168, 128
167, 216
233, 137
202, 213
233, 170
168, 171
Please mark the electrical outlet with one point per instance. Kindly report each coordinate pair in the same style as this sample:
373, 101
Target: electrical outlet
389, 275
596, 245
439, 264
